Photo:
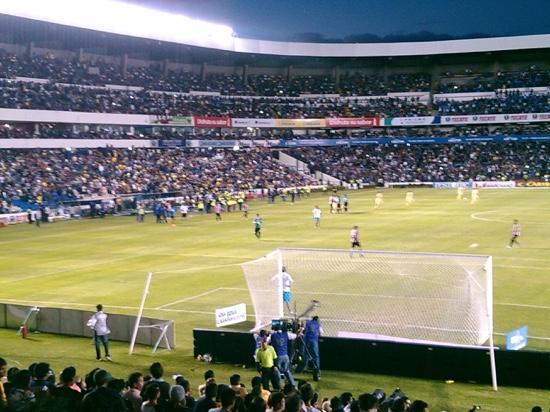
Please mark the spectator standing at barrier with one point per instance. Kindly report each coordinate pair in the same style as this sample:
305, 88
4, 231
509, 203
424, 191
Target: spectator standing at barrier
98, 322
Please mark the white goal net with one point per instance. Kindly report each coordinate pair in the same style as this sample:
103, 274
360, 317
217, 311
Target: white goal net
421, 297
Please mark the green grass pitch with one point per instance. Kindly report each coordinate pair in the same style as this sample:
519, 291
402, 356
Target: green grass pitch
77, 264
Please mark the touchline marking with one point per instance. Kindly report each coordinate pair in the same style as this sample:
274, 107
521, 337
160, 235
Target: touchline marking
477, 217
187, 299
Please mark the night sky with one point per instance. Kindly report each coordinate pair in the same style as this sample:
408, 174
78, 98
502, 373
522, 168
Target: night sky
353, 20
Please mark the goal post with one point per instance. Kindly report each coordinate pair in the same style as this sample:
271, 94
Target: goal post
431, 298
162, 327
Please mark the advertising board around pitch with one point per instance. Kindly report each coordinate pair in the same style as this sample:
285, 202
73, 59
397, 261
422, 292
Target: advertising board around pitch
230, 315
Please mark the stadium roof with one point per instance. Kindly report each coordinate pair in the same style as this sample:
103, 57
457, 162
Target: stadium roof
136, 21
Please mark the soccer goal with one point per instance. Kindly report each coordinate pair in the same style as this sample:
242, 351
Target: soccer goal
430, 298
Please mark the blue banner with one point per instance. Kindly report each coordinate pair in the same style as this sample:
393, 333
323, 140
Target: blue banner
409, 140
172, 143
355, 142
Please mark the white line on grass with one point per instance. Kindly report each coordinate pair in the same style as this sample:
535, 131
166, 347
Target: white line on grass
484, 219
93, 305
521, 267
187, 299
216, 256
195, 268
529, 336
328, 293
522, 306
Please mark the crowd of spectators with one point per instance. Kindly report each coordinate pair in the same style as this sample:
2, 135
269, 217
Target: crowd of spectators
65, 175
68, 131
532, 76
102, 71
430, 163
37, 389
364, 85
51, 96
505, 102
153, 77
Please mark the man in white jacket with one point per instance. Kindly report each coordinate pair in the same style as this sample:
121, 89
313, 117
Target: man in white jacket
98, 322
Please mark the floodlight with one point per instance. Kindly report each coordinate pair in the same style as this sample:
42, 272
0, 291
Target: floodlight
122, 18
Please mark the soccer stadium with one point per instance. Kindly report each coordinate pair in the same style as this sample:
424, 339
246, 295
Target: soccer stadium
197, 215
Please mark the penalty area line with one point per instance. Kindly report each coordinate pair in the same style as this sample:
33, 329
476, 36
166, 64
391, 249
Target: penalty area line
196, 268
187, 299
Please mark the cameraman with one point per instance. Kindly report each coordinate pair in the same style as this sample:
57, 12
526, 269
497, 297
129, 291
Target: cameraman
310, 351
279, 339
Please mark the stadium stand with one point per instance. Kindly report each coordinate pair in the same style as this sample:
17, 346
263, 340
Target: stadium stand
430, 163
59, 175
68, 131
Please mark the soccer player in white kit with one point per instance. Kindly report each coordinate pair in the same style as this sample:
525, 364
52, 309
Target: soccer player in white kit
287, 282
409, 198
316, 216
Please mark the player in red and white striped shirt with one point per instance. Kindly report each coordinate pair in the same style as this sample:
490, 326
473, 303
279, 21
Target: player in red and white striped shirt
516, 232
354, 240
